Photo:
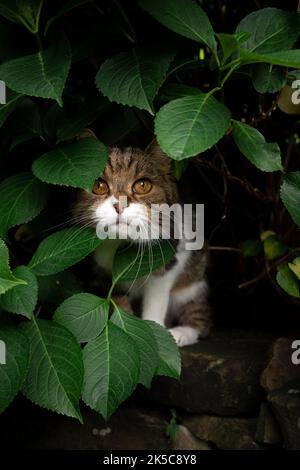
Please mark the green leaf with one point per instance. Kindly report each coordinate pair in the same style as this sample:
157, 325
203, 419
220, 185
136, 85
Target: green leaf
12, 101
130, 263
16, 348
251, 143
43, 74
286, 58
293, 75
85, 315
112, 367
184, 17
295, 266
168, 352
63, 249
55, 373
267, 79
172, 91
23, 298
7, 279
271, 30
78, 164
22, 197
188, 126
251, 247
288, 281
290, 195
229, 44
65, 8
274, 247
134, 78
144, 338
25, 12
179, 166
56, 288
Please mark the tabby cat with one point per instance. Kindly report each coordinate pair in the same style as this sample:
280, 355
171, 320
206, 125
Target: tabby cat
174, 296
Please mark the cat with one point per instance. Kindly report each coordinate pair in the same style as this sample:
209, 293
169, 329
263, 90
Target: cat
175, 296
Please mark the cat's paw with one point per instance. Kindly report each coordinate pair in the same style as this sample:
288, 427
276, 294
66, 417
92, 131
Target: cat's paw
184, 335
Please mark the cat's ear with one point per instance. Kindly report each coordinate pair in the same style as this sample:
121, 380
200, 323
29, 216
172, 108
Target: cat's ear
84, 133
155, 151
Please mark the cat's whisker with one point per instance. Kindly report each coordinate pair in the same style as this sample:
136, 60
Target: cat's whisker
140, 247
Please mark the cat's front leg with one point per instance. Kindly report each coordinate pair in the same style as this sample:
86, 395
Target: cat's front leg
156, 299
194, 321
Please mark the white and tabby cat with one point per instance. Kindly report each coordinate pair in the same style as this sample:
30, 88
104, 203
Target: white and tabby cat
176, 295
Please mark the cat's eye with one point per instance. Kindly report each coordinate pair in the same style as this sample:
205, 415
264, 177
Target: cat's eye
142, 186
100, 187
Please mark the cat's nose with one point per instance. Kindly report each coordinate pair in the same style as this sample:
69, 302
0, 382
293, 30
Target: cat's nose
120, 205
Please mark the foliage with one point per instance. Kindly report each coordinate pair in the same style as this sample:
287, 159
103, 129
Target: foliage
128, 69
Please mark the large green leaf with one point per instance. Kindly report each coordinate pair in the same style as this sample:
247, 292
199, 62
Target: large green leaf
23, 298
288, 281
12, 101
168, 352
134, 78
55, 373
15, 347
286, 58
131, 263
112, 367
22, 197
271, 30
290, 195
144, 338
268, 79
184, 17
63, 249
43, 74
25, 12
190, 125
265, 156
7, 279
85, 315
77, 164
173, 91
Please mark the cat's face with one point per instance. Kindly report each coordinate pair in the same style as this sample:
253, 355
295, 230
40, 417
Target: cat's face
133, 180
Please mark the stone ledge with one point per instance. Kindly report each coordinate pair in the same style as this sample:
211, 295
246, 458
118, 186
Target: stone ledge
220, 375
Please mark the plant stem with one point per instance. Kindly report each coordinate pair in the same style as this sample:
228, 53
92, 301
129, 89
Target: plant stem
114, 304
224, 248
132, 38
178, 67
39, 41
224, 80
111, 291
